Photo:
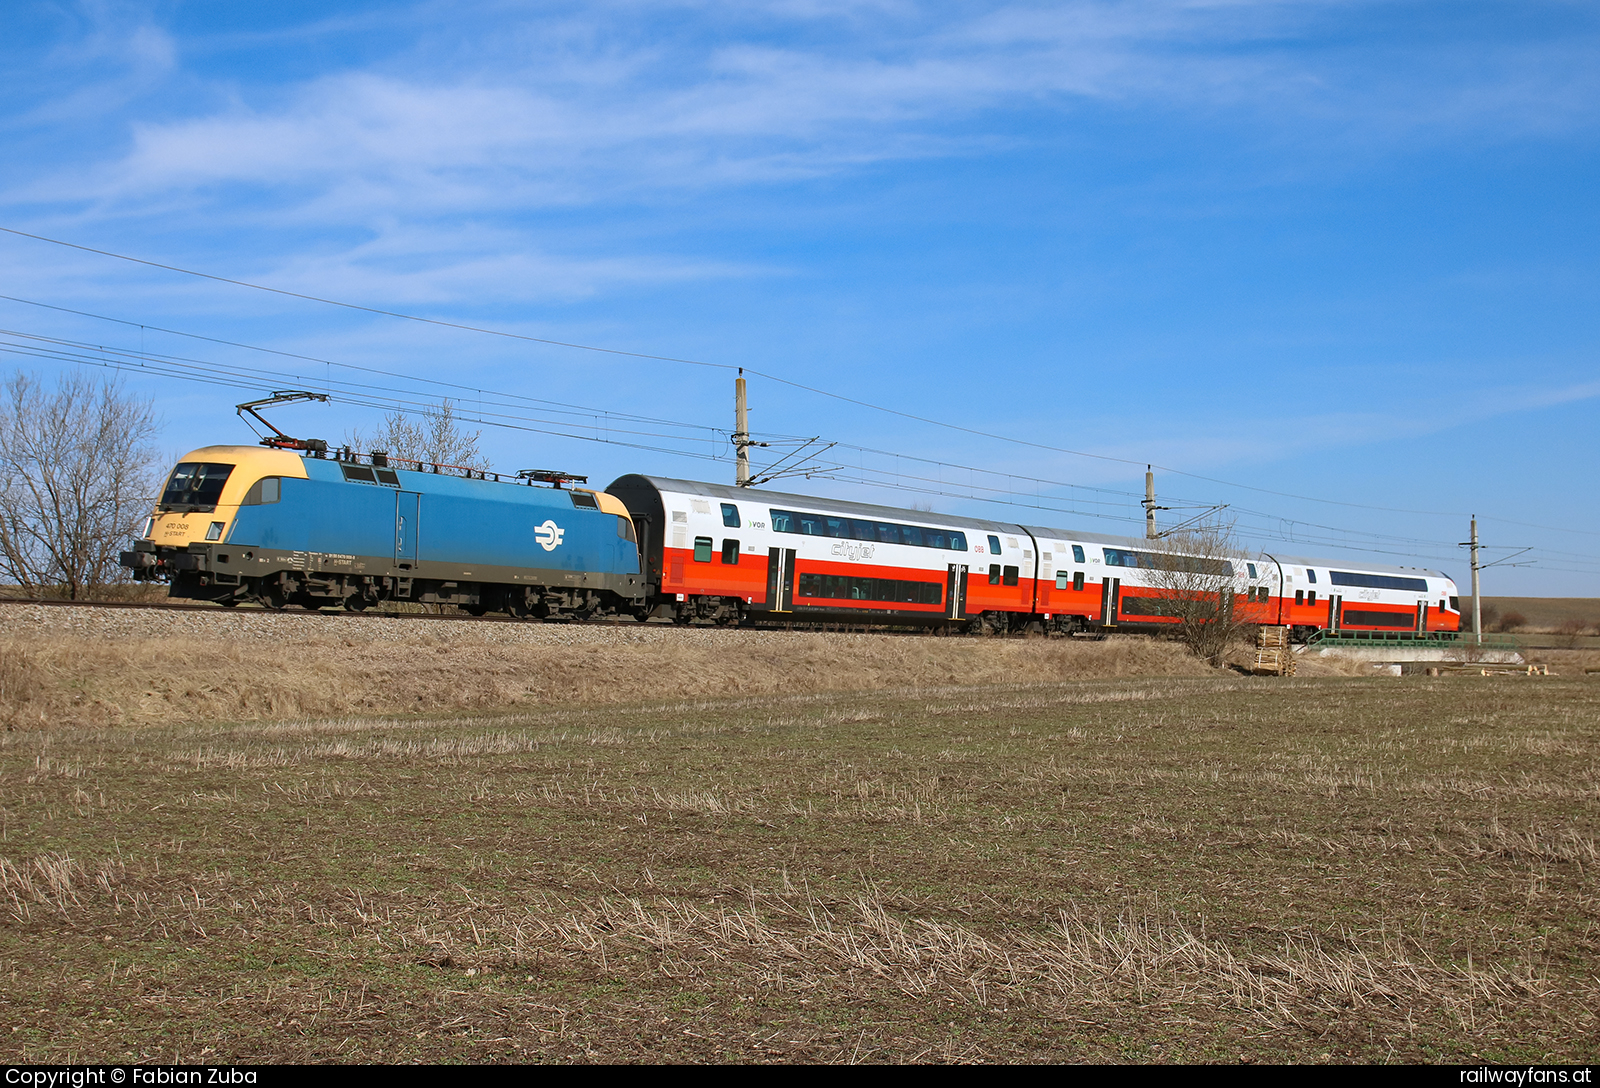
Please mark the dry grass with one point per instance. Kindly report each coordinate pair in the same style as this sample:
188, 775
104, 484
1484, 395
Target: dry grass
1159, 868
54, 679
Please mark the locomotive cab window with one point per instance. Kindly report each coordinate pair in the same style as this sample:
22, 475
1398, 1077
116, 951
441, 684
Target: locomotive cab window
625, 529
264, 491
730, 552
194, 488
730, 515
702, 549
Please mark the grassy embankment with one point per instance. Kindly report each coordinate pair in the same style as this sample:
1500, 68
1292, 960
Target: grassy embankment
1180, 868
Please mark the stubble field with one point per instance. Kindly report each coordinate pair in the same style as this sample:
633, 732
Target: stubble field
1125, 869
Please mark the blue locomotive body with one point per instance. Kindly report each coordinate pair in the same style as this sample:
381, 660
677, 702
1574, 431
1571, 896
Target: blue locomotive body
282, 528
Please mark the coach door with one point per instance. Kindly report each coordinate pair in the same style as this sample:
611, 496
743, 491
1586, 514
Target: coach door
407, 514
1422, 616
1110, 596
955, 590
1335, 612
780, 579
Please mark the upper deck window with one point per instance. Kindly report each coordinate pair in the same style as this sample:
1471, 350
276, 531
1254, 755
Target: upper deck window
730, 515
883, 532
1125, 557
195, 487
1377, 581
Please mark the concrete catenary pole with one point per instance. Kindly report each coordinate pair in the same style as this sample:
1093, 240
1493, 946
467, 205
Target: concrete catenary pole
1477, 607
741, 431
1149, 503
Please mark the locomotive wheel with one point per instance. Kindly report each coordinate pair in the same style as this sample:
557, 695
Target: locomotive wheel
275, 598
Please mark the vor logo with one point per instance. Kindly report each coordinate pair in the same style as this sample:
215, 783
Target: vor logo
549, 535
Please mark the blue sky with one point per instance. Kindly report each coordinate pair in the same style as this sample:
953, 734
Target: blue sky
1343, 253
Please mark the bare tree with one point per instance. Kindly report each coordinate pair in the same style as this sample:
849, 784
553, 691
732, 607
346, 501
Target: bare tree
435, 439
75, 480
1199, 578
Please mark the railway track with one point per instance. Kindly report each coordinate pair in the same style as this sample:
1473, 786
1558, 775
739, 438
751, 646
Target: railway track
336, 615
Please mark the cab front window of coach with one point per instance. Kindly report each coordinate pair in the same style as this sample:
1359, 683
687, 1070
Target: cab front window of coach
730, 515
195, 487
264, 492
702, 549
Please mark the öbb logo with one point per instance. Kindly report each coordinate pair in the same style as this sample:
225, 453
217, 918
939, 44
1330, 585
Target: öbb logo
549, 535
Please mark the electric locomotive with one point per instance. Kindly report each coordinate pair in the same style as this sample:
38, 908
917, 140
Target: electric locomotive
245, 524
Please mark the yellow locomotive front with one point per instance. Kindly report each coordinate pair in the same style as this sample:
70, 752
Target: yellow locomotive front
201, 499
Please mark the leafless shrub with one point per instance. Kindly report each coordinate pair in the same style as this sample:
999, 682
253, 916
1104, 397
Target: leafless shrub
1511, 621
1199, 580
75, 478
1571, 631
435, 439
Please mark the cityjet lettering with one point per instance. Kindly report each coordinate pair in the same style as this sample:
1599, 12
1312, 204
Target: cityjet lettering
849, 549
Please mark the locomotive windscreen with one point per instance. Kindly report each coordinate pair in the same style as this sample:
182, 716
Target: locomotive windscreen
195, 487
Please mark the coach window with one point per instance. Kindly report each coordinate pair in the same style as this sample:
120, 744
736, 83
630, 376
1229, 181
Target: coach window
1010, 576
994, 545
1441, 604
1311, 576
1299, 596
1311, 598
1077, 553
911, 534
1251, 567
730, 515
994, 574
1063, 579
782, 521
1077, 581
702, 549
730, 552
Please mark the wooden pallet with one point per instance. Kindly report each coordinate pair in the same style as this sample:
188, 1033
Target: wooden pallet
1273, 654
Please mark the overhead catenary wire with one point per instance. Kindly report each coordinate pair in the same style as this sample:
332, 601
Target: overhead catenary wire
383, 398
573, 345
